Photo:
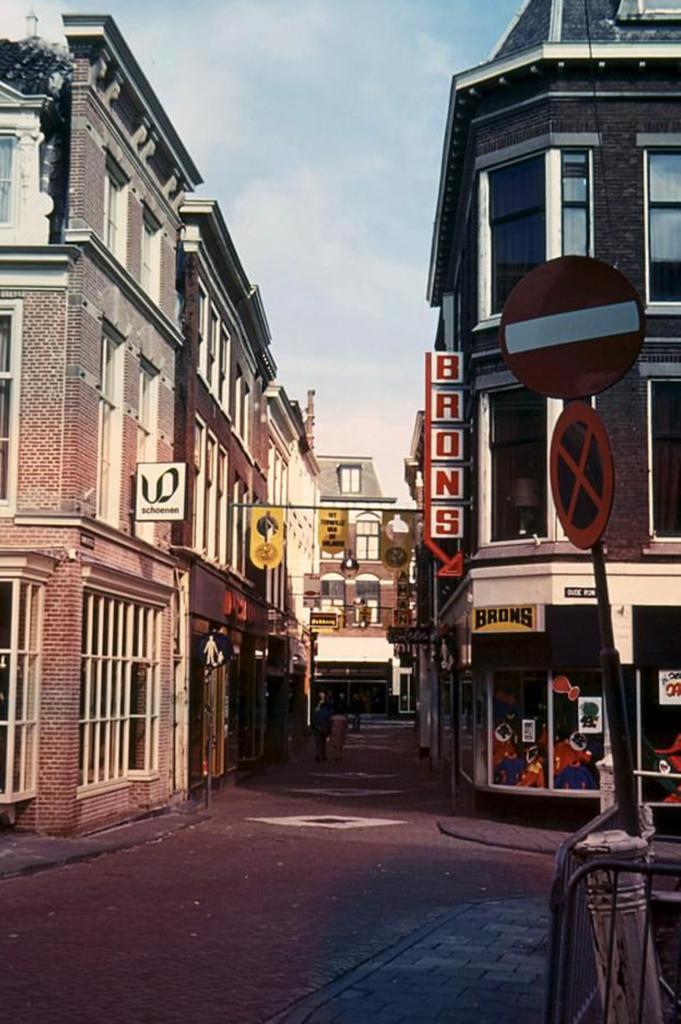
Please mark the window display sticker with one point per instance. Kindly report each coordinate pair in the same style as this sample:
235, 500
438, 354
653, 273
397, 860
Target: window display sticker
529, 730
590, 714
670, 685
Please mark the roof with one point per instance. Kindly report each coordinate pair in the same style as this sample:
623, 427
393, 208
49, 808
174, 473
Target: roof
610, 21
34, 67
330, 478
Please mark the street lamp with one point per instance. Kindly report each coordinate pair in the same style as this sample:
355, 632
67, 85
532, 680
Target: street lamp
349, 566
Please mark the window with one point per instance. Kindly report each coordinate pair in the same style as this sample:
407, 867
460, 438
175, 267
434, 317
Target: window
664, 227
5, 404
212, 354
666, 457
201, 332
240, 498
209, 528
109, 431
115, 209
151, 256
517, 223
633, 9
238, 399
6, 153
221, 507
518, 464
367, 537
119, 698
223, 373
350, 479
367, 595
245, 430
146, 414
20, 625
332, 592
575, 202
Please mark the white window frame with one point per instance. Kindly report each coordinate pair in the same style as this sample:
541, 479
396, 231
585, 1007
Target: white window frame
350, 473
132, 639
202, 329
147, 428
667, 538
333, 604
14, 311
150, 267
22, 658
554, 530
362, 552
373, 604
213, 351
210, 498
200, 431
553, 211
222, 494
12, 203
654, 304
110, 431
115, 210
225, 346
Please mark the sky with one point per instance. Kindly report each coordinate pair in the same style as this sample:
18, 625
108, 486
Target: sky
318, 126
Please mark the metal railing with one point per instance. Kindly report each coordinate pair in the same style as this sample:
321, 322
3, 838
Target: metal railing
589, 978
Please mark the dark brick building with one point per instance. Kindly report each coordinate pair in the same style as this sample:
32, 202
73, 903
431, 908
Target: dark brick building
566, 141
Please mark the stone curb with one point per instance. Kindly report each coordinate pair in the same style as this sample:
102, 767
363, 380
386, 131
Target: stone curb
35, 854
301, 1011
531, 843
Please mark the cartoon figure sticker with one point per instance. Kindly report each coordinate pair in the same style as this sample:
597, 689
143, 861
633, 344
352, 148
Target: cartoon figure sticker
590, 714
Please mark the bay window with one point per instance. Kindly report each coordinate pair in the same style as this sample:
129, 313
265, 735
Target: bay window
575, 202
666, 457
664, 227
517, 441
517, 223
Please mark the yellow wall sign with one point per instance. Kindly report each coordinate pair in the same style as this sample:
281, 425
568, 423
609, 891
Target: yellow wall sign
267, 537
333, 529
509, 618
324, 622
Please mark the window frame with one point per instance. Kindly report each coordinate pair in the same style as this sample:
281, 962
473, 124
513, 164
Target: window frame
347, 471
115, 209
13, 310
666, 537
363, 550
648, 153
110, 419
10, 180
150, 269
25, 650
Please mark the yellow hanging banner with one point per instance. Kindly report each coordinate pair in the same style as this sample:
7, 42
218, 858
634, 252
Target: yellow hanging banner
267, 537
333, 530
397, 532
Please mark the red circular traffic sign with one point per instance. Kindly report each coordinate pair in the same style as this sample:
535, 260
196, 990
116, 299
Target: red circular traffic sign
582, 474
572, 327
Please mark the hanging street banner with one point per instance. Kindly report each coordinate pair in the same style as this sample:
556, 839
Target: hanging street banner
267, 537
333, 530
160, 492
443, 470
397, 532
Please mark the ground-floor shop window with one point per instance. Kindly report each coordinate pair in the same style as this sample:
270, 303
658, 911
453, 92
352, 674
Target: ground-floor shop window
20, 625
547, 731
659, 753
119, 699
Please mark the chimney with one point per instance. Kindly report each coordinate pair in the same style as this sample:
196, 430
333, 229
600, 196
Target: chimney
31, 25
309, 420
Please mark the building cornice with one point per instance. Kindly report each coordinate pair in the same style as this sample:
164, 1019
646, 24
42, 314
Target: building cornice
36, 267
96, 527
87, 240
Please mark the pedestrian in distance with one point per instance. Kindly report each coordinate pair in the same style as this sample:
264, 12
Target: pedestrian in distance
321, 717
338, 728
355, 712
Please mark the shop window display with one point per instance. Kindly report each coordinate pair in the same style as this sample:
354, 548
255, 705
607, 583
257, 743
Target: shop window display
519, 725
660, 749
578, 718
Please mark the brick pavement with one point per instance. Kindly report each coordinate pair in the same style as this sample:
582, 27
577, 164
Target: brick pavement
233, 921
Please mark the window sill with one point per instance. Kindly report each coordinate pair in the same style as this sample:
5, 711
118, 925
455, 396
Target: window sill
16, 798
152, 776
487, 323
662, 547
663, 309
580, 794
98, 788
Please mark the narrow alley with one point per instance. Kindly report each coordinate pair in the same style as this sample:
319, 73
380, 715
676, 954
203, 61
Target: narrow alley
312, 892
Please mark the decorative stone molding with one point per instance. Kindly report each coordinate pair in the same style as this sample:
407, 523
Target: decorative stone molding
100, 66
113, 89
141, 133
150, 145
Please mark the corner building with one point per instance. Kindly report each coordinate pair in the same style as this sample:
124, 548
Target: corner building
566, 141
92, 177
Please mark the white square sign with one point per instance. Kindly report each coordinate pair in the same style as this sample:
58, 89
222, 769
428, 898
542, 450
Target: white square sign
160, 492
670, 685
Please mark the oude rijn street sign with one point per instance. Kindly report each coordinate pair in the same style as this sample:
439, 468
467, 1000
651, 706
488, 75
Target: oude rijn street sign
572, 327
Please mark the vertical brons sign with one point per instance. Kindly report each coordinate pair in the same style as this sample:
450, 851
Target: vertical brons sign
444, 493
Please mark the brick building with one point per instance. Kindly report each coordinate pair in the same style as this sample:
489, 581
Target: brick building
355, 658
91, 177
566, 141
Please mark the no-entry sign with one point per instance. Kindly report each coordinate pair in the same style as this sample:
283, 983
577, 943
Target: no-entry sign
571, 327
582, 474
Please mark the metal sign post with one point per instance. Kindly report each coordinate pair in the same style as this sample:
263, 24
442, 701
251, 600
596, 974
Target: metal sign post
582, 483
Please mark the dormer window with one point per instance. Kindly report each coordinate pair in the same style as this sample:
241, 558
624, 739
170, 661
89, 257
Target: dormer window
631, 10
6, 148
350, 479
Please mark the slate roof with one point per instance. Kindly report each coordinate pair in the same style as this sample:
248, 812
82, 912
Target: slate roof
564, 21
329, 478
35, 67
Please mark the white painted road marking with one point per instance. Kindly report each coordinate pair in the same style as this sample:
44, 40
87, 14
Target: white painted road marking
577, 325
312, 821
346, 792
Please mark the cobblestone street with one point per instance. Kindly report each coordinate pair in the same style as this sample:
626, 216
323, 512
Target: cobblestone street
240, 920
